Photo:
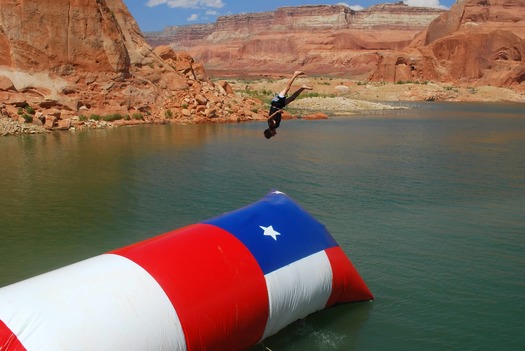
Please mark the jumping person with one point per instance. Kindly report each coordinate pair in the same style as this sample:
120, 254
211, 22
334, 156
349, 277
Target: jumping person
279, 102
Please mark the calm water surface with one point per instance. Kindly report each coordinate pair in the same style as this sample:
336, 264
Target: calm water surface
429, 204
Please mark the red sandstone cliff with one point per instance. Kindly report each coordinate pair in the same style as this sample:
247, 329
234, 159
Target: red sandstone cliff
319, 39
477, 42
65, 58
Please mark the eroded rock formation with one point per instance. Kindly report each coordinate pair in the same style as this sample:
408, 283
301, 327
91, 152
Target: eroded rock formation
64, 59
319, 38
477, 42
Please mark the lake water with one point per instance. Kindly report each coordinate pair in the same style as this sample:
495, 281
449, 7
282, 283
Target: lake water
428, 203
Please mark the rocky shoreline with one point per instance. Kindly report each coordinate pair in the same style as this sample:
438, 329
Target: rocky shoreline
307, 108
9, 126
332, 97
18, 127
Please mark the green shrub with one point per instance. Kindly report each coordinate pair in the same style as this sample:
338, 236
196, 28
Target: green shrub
168, 114
315, 94
137, 115
27, 118
26, 109
451, 88
112, 117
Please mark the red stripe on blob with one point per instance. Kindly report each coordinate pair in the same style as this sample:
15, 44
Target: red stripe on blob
214, 283
347, 284
8, 340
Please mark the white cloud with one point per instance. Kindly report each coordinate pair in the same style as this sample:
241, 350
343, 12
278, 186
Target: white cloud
187, 4
212, 12
425, 3
193, 18
352, 7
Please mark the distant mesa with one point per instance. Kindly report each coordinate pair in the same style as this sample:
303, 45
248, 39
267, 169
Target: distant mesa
346, 42
476, 42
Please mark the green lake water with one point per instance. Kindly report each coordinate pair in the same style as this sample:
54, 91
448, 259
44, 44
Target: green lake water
428, 203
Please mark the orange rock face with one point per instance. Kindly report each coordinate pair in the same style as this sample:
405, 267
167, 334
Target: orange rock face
477, 42
320, 39
86, 57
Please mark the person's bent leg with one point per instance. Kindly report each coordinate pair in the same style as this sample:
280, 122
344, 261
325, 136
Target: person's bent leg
297, 93
290, 82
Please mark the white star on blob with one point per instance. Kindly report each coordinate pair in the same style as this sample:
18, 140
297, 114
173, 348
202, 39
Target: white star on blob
269, 231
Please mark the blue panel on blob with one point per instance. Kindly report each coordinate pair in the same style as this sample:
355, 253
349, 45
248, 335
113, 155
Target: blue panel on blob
276, 230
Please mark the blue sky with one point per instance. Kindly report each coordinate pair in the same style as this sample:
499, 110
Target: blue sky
154, 15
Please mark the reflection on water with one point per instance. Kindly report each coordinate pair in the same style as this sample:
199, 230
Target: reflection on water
429, 204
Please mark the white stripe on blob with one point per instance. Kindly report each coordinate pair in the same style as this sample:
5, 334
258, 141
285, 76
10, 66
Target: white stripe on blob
297, 290
104, 303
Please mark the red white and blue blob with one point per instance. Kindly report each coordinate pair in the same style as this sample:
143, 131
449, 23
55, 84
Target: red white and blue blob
226, 283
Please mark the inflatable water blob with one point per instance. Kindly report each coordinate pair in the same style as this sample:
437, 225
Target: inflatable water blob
226, 283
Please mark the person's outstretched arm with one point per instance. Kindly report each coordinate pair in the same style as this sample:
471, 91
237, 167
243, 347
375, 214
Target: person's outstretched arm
271, 120
276, 112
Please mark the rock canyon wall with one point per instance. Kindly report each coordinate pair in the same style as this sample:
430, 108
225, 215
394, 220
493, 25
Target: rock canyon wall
321, 39
477, 42
63, 59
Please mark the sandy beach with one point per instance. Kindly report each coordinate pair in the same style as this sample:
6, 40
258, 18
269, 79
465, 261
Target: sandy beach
329, 94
